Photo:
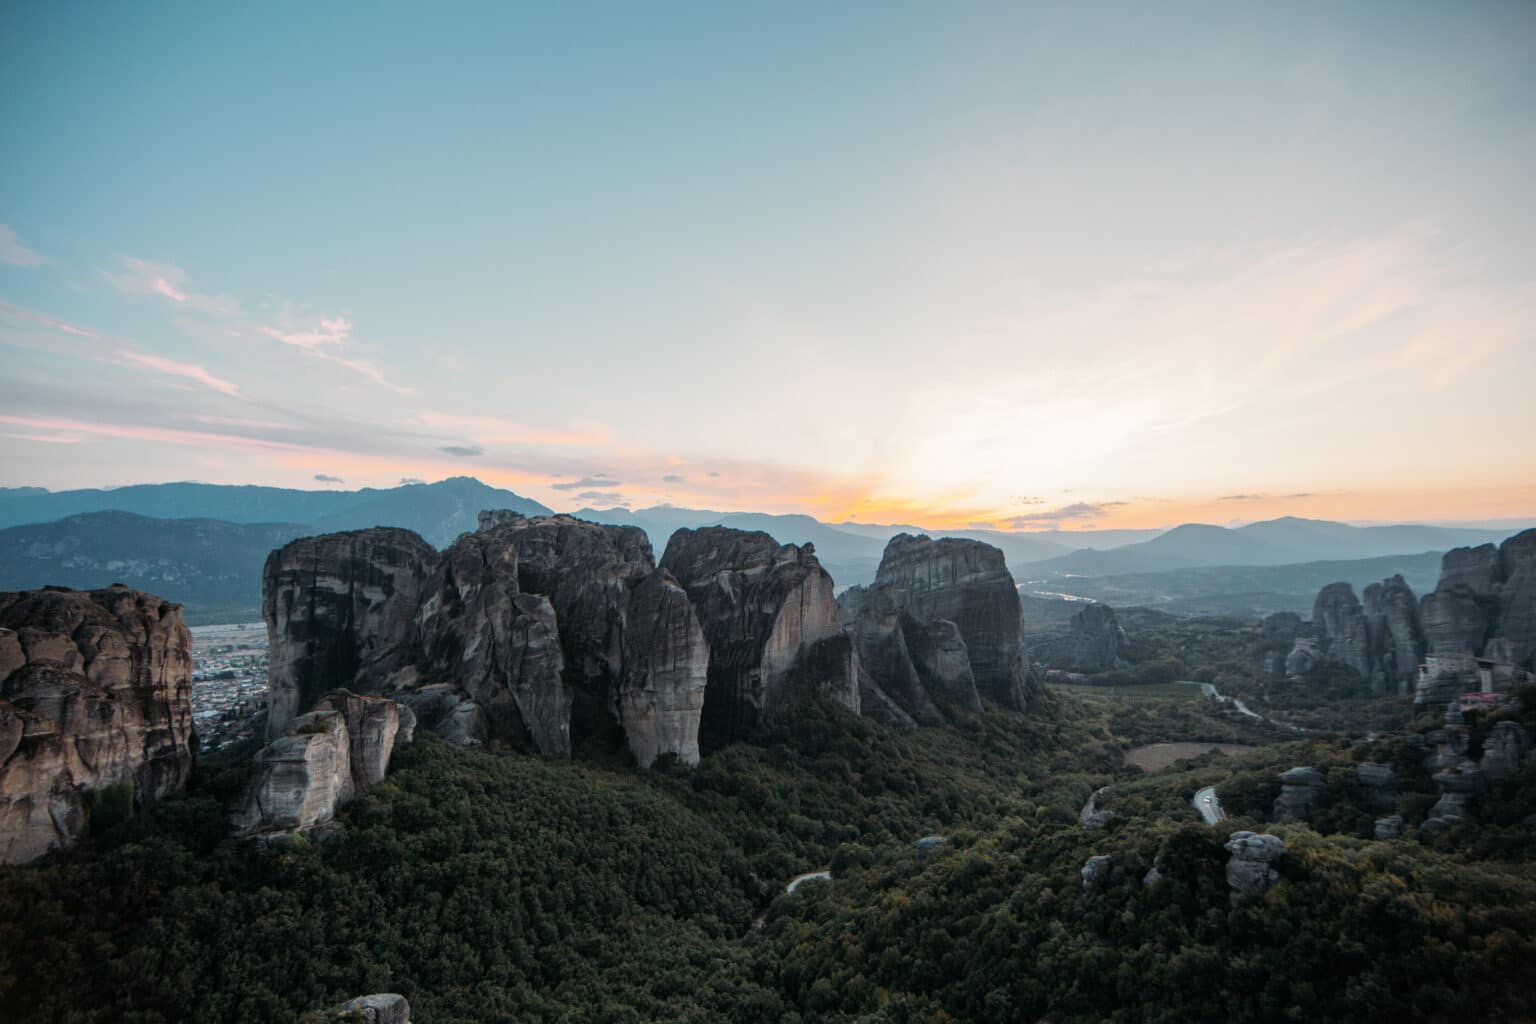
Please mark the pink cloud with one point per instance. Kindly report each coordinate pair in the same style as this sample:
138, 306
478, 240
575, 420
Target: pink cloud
43, 320
178, 369
328, 340
146, 277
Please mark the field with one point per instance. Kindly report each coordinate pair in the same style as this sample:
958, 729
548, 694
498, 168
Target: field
1157, 756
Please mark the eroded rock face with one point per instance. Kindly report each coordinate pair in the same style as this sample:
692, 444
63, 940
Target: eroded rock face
340, 610
327, 757
1250, 868
523, 632
1096, 872
1477, 569
95, 690
1345, 638
1484, 608
1380, 781
768, 614
666, 672
1396, 635
498, 647
1389, 827
968, 583
940, 627
1096, 642
1505, 750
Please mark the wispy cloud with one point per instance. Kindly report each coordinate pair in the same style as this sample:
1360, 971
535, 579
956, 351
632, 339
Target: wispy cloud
601, 497
674, 478
168, 281
467, 451
14, 252
408, 481
190, 371
1076, 512
330, 339
586, 481
30, 316
326, 478
1265, 497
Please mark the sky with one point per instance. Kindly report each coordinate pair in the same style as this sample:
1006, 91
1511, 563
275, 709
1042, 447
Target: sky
1028, 266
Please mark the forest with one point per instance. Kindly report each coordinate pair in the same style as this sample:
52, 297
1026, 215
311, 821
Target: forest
493, 886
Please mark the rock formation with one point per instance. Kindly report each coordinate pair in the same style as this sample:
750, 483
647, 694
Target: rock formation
1390, 827
1249, 869
536, 632
1380, 781
1395, 633
326, 757
338, 607
499, 647
952, 594
1382, 641
1096, 642
95, 691
1096, 872
1299, 789
771, 622
381, 1008
1480, 622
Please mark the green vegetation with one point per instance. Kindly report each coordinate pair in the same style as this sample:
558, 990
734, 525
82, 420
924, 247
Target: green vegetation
493, 887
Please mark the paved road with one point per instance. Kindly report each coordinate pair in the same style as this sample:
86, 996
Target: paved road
1209, 807
809, 876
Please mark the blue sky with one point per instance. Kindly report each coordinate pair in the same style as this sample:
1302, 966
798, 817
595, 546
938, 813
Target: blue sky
949, 262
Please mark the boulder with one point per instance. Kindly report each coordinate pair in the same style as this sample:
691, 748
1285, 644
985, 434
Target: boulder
930, 845
1250, 867
327, 757
340, 611
1390, 827
1299, 788
1304, 657
1096, 872
382, 1008
775, 638
95, 691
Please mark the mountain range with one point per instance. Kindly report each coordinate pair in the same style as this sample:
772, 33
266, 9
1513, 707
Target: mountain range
204, 544
439, 511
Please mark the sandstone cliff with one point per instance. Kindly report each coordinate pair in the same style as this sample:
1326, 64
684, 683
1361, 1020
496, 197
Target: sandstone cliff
339, 610
95, 690
771, 622
1483, 608
536, 632
328, 756
942, 623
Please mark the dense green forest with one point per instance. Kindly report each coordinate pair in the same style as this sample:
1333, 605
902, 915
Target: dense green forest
498, 887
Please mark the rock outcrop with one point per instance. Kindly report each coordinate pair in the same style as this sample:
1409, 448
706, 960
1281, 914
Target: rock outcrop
1380, 781
1480, 622
381, 1008
1382, 641
327, 756
1250, 868
1299, 788
340, 610
1390, 827
1395, 633
1096, 872
537, 632
1095, 643
95, 691
771, 622
949, 593
1505, 750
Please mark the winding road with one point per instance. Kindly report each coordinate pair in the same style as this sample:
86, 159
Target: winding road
809, 876
1209, 807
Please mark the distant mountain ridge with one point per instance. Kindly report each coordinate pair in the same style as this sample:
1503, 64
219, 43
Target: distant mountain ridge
1286, 541
211, 566
438, 511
